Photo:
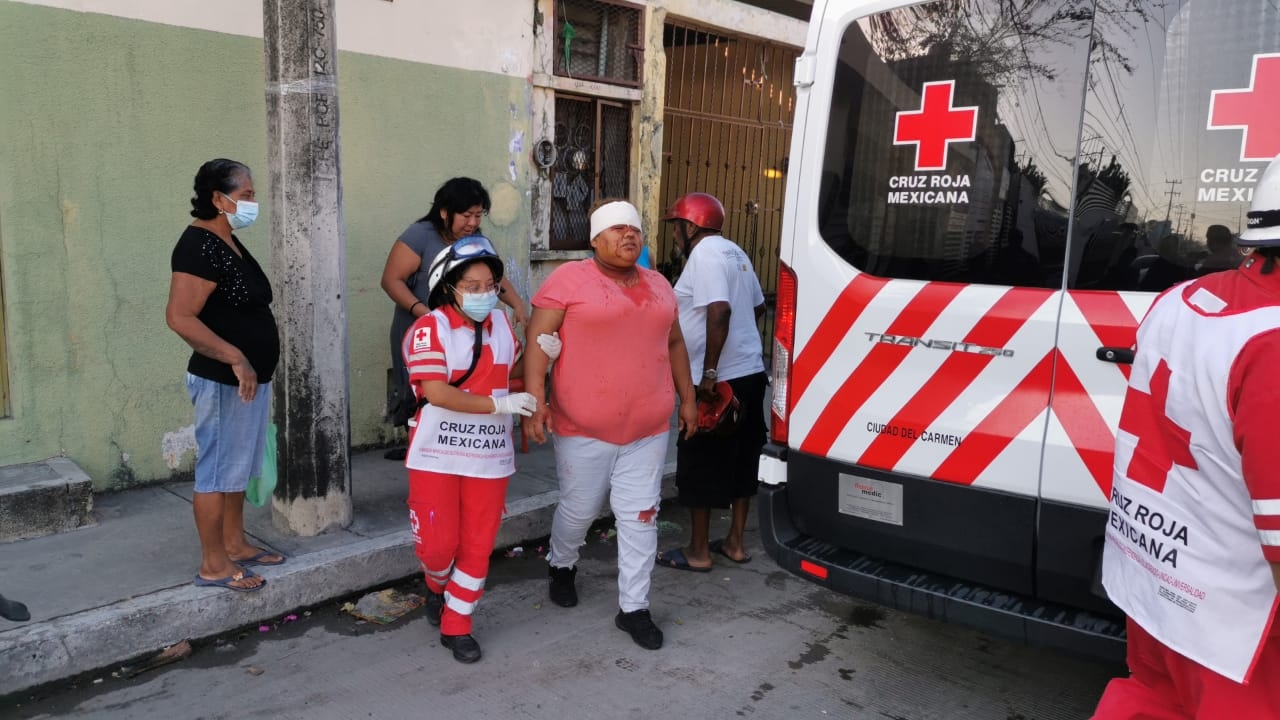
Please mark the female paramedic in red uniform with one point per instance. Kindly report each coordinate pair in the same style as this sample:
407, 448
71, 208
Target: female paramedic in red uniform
460, 356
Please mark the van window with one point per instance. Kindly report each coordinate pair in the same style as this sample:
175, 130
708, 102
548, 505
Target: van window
1179, 123
950, 142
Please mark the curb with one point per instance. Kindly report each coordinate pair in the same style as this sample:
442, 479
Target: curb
63, 647
85, 641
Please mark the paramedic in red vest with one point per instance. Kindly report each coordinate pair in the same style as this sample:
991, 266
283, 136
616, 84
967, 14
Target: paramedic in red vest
460, 356
720, 300
1193, 537
612, 392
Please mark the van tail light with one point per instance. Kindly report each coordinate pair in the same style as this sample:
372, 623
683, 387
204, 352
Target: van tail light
784, 337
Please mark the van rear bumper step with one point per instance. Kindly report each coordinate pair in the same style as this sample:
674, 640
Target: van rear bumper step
1016, 617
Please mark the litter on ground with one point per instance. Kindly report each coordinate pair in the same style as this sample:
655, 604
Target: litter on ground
385, 606
173, 653
666, 527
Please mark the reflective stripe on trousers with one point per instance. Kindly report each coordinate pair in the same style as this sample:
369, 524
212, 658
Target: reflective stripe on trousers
454, 520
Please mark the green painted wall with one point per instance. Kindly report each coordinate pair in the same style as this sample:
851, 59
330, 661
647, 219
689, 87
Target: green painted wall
406, 128
105, 121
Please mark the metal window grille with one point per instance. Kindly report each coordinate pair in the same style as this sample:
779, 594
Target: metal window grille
593, 161
727, 131
599, 40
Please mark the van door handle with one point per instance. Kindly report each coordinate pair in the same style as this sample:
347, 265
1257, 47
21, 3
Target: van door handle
1116, 355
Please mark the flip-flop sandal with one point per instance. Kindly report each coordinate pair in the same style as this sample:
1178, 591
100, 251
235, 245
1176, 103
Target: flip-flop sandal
257, 559
226, 581
717, 547
675, 558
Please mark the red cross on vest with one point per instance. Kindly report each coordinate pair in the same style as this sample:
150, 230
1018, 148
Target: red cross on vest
935, 125
1252, 110
1161, 442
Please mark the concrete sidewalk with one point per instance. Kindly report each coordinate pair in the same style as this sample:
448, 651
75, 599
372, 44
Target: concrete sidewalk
121, 588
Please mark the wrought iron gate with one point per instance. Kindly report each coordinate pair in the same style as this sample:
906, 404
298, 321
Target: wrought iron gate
727, 131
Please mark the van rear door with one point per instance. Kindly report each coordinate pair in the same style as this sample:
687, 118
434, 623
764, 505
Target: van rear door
1179, 121
929, 269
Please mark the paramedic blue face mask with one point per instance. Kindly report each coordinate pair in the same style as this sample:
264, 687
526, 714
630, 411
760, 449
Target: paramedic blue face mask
477, 306
246, 212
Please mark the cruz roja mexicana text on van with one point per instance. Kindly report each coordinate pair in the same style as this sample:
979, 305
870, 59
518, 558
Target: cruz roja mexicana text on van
929, 190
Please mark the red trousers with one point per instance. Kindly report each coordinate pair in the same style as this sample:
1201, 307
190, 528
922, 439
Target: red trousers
454, 520
1163, 685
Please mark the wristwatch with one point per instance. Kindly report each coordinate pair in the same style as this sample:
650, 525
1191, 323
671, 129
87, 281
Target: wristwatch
709, 374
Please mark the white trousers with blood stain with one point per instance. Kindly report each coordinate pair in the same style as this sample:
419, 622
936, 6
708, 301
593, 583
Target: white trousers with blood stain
631, 475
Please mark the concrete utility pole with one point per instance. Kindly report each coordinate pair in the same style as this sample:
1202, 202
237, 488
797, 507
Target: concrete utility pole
312, 415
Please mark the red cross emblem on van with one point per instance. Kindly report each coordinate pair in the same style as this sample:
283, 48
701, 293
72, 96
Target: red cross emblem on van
936, 125
1252, 110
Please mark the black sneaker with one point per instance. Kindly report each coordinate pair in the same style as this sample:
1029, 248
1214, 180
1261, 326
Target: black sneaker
563, 592
465, 648
640, 625
435, 606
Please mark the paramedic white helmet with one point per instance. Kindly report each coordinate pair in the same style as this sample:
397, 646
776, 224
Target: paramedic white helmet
457, 257
1263, 226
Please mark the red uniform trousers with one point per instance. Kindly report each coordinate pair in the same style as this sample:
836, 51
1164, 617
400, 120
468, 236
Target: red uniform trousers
454, 520
1163, 685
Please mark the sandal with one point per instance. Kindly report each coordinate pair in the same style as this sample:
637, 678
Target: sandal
225, 582
257, 559
675, 558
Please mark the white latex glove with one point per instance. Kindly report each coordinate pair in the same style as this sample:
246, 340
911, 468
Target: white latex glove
514, 404
551, 345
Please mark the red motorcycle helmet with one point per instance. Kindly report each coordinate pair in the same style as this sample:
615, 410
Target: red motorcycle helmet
701, 209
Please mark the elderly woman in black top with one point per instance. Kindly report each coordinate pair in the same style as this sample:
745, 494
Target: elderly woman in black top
219, 303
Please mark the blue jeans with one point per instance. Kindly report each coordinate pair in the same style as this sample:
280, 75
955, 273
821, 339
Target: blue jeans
231, 434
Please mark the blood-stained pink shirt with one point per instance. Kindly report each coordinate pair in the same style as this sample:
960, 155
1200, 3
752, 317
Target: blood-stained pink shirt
613, 379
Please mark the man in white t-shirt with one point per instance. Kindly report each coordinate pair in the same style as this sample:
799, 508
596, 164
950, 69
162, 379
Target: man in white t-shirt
720, 300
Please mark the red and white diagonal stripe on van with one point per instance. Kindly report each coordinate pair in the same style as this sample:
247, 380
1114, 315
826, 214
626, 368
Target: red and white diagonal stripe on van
1110, 318
844, 312
1088, 394
1083, 388
993, 402
916, 317
995, 329
1012, 415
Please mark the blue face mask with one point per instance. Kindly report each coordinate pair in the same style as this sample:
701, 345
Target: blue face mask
477, 306
246, 212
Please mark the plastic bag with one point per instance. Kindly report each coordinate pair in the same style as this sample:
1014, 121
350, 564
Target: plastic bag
263, 484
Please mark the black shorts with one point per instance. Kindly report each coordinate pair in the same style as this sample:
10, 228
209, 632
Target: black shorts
714, 471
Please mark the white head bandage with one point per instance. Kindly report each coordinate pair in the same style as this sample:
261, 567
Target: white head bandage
619, 212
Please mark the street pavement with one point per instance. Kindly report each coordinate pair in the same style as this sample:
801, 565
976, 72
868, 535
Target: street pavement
741, 641
121, 588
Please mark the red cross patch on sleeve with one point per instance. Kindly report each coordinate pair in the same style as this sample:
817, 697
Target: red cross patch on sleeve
421, 340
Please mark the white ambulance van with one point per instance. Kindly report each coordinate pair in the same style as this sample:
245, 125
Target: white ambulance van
984, 197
